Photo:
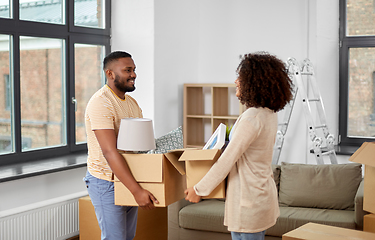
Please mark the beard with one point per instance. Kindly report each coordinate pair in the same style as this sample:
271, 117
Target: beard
121, 85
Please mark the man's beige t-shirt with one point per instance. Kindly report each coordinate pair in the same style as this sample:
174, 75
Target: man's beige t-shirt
105, 111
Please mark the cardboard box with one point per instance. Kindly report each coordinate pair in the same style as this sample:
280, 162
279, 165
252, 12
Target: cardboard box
369, 223
161, 174
365, 155
168, 175
313, 231
88, 224
152, 224
197, 164
146, 227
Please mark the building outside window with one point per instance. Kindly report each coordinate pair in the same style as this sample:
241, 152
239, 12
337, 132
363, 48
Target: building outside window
357, 66
7, 93
50, 69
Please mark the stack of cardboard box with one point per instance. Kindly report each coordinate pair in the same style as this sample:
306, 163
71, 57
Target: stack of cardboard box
366, 155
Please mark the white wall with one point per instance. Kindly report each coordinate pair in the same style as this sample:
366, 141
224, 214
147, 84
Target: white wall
133, 32
203, 42
200, 42
176, 42
26, 191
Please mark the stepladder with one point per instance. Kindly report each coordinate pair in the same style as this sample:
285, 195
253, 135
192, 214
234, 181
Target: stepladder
305, 84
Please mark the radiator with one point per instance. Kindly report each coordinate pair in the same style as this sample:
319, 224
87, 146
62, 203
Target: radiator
55, 219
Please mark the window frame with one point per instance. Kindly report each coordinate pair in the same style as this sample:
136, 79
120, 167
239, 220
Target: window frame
347, 42
71, 35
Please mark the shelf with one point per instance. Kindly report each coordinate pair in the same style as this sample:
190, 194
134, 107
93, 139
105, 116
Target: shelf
226, 117
205, 107
198, 116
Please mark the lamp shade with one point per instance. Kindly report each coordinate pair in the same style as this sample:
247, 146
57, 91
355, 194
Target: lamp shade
136, 134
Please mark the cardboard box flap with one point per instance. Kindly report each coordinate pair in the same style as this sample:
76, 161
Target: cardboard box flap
200, 155
365, 154
173, 157
145, 167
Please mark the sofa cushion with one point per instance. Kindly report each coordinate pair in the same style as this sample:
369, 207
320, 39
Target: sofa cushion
330, 186
276, 174
294, 217
207, 215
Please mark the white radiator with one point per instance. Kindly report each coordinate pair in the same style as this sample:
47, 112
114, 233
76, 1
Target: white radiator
55, 219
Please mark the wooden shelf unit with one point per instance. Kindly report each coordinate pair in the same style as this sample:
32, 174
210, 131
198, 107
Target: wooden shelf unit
205, 107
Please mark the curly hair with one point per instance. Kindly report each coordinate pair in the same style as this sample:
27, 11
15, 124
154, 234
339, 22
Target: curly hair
264, 81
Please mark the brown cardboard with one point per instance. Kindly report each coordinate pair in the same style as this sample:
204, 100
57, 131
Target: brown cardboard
197, 164
313, 231
88, 224
161, 174
146, 227
152, 224
369, 223
365, 155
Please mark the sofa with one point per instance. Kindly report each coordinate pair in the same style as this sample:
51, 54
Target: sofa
329, 194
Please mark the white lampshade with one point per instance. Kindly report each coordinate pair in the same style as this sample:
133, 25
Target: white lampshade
136, 134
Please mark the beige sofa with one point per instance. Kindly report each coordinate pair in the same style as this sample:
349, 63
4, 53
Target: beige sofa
325, 194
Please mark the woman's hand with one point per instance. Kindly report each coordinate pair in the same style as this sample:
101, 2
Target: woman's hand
191, 196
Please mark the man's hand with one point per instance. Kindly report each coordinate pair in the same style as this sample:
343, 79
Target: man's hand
191, 196
145, 199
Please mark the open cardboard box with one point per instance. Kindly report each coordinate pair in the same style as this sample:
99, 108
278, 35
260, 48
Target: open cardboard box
197, 164
168, 175
324, 232
366, 155
161, 174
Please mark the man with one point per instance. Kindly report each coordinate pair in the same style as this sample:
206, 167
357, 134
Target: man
103, 115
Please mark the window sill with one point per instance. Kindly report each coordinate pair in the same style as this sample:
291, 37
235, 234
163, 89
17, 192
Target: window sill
345, 150
342, 150
35, 168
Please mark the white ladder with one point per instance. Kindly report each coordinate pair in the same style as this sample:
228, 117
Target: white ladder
296, 73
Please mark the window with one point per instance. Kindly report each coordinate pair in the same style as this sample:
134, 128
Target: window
7, 93
4, 9
51, 55
6, 103
51, 11
42, 91
89, 78
96, 20
357, 67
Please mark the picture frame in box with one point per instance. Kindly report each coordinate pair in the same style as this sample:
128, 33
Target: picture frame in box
217, 139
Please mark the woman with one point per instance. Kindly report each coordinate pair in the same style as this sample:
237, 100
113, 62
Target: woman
251, 205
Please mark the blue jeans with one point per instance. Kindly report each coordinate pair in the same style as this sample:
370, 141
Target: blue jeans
248, 236
115, 222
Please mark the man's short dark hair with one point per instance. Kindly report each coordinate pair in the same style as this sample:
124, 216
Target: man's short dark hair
114, 56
